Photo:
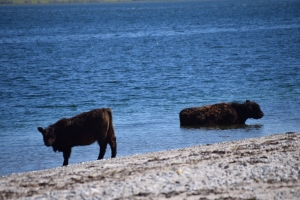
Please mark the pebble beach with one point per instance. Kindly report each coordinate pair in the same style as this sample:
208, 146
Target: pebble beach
256, 168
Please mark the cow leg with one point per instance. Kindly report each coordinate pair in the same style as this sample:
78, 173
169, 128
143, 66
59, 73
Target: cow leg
113, 146
66, 154
103, 146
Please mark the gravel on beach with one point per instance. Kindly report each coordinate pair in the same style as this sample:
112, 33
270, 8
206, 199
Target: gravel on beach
256, 168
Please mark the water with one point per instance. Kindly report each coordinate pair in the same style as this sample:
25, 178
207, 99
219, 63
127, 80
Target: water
146, 61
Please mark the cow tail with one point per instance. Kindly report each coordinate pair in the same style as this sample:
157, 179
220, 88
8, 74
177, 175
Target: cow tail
111, 135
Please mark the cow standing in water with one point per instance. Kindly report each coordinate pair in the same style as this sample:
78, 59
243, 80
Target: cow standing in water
220, 114
83, 129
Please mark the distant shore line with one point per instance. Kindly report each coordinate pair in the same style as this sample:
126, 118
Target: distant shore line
33, 2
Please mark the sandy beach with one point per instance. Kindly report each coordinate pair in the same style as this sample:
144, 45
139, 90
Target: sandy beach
257, 168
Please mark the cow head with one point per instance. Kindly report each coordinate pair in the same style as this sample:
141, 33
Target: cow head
49, 135
253, 110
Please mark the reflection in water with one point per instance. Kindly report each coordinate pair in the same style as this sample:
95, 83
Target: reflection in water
214, 134
245, 127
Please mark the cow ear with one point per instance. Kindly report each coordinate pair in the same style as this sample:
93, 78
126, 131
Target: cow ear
40, 129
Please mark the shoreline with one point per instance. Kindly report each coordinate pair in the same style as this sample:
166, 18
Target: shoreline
255, 168
70, 2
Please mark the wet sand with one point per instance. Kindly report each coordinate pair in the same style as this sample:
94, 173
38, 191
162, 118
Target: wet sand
256, 168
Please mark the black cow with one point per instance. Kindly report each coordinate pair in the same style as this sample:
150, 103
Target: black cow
83, 129
220, 114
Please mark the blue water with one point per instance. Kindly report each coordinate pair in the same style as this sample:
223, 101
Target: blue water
146, 61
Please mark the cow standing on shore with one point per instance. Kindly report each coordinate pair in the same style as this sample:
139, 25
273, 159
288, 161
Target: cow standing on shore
220, 114
83, 129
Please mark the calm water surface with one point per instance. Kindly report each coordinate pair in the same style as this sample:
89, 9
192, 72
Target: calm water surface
146, 61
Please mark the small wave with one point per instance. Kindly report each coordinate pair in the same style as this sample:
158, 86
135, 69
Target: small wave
57, 106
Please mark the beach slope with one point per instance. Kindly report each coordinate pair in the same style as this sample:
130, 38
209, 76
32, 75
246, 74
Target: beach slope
257, 168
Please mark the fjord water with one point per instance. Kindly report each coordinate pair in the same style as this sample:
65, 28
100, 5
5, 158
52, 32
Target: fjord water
146, 61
